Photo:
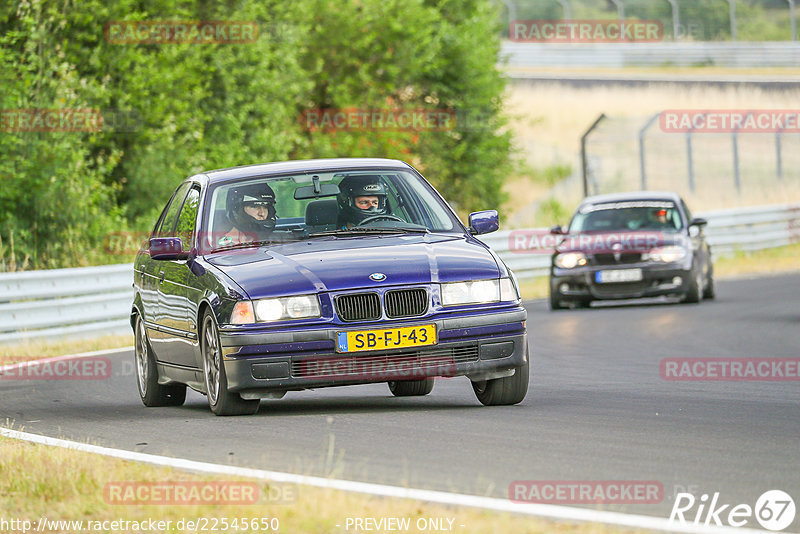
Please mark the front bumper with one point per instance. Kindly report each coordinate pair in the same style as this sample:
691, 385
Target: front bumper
575, 285
481, 346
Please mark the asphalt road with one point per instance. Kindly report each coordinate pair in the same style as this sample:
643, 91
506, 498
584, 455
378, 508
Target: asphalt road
597, 409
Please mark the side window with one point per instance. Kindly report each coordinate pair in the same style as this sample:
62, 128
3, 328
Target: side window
171, 215
187, 218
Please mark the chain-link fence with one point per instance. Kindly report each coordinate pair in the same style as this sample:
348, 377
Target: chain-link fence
715, 170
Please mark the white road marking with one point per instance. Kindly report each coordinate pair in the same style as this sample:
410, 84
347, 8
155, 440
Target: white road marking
549, 511
31, 363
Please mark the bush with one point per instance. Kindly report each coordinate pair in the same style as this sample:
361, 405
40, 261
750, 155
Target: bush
199, 107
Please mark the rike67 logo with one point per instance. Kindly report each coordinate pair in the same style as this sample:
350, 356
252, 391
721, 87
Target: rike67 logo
774, 510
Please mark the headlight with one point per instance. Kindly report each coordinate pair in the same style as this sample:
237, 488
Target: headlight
508, 290
475, 292
667, 254
570, 260
276, 309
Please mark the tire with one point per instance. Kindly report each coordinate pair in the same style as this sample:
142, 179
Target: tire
709, 292
150, 391
694, 293
411, 388
220, 400
555, 302
504, 391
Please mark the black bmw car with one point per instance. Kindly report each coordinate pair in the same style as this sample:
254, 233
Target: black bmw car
631, 245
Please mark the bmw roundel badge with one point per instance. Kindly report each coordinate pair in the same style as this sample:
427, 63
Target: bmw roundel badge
377, 277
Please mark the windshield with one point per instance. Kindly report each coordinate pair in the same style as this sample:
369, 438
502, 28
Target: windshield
640, 215
310, 205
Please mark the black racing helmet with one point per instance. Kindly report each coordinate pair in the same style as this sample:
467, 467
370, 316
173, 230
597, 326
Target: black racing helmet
251, 195
361, 186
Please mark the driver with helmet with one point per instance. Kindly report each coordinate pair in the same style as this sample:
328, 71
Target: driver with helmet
360, 198
251, 210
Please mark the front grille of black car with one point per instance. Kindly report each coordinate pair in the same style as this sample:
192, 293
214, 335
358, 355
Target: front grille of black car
438, 361
624, 257
406, 302
622, 288
358, 307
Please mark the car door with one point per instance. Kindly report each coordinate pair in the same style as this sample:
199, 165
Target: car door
159, 340
178, 296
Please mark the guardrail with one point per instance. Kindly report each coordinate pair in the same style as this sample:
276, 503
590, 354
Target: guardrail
619, 55
56, 303
746, 229
92, 301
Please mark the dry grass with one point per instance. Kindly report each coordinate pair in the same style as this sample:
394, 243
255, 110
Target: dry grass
39, 481
549, 119
769, 261
35, 349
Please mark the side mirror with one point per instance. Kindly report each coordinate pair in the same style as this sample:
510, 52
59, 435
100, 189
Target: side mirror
483, 222
698, 221
557, 230
167, 248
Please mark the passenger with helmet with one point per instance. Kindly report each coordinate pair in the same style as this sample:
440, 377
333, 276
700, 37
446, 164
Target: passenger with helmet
251, 210
658, 219
361, 197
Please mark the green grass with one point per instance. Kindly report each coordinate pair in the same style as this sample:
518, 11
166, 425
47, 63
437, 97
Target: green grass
59, 484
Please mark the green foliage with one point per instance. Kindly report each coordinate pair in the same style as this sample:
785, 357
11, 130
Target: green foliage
551, 212
550, 175
193, 107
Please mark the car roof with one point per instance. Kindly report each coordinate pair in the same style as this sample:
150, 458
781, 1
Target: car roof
306, 165
630, 196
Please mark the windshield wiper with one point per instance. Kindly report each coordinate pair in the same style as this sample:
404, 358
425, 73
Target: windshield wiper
371, 231
252, 244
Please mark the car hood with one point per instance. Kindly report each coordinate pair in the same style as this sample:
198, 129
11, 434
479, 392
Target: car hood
622, 241
335, 264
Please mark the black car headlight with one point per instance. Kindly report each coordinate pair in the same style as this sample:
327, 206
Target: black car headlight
570, 260
666, 254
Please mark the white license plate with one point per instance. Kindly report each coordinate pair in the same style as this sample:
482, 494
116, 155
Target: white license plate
618, 275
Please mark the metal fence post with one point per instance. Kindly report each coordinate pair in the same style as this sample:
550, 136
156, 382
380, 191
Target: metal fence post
791, 17
641, 148
512, 10
690, 159
676, 21
567, 9
621, 15
584, 162
733, 19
